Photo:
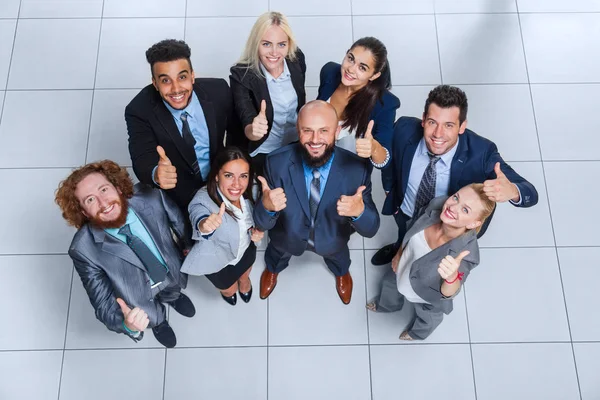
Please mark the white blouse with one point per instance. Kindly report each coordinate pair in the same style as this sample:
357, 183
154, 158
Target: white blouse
416, 248
244, 221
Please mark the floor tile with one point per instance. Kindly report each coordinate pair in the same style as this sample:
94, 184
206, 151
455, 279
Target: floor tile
31, 204
522, 227
411, 44
9, 8
337, 30
20, 369
568, 183
222, 8
388, 7
587, 357
319, 373
557, 47
306, 298
557, 134
397, 369
210, 57
475, 6
85, 331
412, 99
559, 6
66, 122
43, 45
7, 36
144, 8
533, 312
123, 44
40, 284
481, 48
81, 370
61, 9
108, 132
576, 265
494, 108
217, 323
312, 7
385, 328
525, 371
200, 374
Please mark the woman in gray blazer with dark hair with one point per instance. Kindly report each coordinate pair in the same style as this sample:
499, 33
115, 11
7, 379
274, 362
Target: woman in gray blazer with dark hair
437, 254
223, 227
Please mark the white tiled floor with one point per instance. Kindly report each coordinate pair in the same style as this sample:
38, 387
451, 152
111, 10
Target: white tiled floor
524, 327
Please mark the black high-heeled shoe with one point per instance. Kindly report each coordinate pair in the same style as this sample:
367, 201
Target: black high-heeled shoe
246, 296
231, 300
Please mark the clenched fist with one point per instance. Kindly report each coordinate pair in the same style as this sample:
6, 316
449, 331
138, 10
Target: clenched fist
136, 319
500, 189
351, 206
448, 268
260, 124
273, 200
212, 222
166, 173
256, 235
365, 145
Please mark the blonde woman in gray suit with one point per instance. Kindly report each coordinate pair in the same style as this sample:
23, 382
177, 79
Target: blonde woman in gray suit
223, 227
437, 254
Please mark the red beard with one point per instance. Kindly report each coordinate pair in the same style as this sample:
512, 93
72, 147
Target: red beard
115, 223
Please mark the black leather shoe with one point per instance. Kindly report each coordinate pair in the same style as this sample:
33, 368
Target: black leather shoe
165, 335
383, 255
246, 296
184, 306
231, 300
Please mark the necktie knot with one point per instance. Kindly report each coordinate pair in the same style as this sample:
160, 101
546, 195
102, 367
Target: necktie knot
316, 174
433, 158
125, 230
184, 116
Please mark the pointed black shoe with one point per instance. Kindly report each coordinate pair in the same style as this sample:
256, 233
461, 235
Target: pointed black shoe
231, 300
184, 306
246, 296
165, 335
383, 255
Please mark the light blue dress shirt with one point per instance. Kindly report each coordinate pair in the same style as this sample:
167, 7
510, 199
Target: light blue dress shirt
138, 229
323, 170
417, 168
285, 102
199, 129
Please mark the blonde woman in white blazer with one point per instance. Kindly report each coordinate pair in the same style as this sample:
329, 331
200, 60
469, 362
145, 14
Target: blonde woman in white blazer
223, 227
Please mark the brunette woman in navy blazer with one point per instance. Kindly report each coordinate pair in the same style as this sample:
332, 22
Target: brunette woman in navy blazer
359, 91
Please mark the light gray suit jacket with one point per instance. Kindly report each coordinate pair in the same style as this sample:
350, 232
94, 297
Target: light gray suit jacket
211, 252
109, 269
424, 277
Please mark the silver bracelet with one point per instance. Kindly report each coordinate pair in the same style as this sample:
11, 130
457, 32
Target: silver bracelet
384, 163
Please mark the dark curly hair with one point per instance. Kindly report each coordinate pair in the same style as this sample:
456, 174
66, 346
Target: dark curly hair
65, 194
168, 50
446, 96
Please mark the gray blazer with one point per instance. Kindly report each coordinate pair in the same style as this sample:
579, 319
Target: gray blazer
109, 269
424, 278
211, 252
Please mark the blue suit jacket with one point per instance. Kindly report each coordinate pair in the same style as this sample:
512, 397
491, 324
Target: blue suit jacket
473, 162
384, 114
289, 228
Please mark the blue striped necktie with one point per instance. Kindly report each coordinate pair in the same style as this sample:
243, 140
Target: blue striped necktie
313, 202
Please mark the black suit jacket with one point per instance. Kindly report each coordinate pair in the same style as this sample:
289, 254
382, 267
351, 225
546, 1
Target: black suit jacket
249, 89
150, 124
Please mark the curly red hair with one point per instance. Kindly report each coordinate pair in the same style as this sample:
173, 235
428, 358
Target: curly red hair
65, 194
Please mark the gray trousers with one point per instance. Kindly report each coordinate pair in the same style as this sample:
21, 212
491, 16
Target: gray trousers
426, 317
166, 292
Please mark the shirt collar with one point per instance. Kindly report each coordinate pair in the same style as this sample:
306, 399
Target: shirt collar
323, 169
131, 218
446, 158
192, 108
269, 77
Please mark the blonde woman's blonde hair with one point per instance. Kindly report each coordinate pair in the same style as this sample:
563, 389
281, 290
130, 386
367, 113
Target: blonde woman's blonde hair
264, 22
488, 205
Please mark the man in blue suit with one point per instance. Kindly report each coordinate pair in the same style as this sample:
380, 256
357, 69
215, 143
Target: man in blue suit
315, 195
437, 156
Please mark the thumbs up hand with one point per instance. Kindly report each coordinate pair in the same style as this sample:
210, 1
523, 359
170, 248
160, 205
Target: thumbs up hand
448, 267
166, 174
366, 145
260, 124
273, 200
212, 222
501, 189
136, 319
351, 206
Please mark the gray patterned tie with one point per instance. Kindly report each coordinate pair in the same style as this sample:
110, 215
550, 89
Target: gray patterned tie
426, 190
188, 138
156, 270
313, 202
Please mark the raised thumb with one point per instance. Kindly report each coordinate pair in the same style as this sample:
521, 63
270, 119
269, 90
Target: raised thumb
368, 134
222, 209
124, 307
498, 171
162, 155
263, 108
263, 182
462, 255
360, 190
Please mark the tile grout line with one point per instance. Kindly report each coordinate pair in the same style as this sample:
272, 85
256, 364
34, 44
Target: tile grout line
437, 41
267, 380
165, 374
548, 201
12, 52
368, 328
62, 362
470, 342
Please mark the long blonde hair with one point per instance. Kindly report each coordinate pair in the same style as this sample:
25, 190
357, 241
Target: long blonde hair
250, 55
488, 205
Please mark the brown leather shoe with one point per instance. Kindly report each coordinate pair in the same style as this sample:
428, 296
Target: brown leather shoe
343, 284
268, 281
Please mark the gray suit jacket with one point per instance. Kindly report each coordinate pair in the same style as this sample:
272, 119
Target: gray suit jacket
211, 252
109, 269
424, 278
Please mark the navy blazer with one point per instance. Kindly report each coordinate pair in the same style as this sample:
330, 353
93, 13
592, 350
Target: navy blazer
384, 113
289, 228
473, 162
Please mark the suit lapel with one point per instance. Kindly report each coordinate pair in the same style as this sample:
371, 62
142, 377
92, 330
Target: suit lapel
156, 230
297, 178
458, 164
115, 247
407, 158
333, 181
211, 120
166, 120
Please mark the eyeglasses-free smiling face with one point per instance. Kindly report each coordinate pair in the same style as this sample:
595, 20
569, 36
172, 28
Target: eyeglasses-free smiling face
317, 131
174, 80
441, 127
358, 67
101, 201
233, 179
463, 209
272, 50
